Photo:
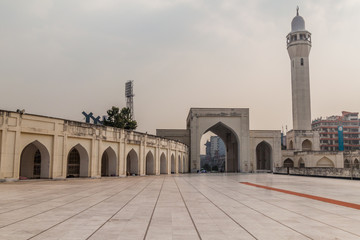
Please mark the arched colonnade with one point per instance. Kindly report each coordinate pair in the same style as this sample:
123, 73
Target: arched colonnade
35, 162
35, 146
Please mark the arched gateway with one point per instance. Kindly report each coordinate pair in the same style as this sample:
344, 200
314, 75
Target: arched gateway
232, 126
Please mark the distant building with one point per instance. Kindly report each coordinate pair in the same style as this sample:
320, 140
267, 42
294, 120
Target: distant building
215, 153
208, 148
217, 146
348, 125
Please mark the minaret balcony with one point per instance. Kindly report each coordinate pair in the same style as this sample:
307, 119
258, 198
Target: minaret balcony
294, 38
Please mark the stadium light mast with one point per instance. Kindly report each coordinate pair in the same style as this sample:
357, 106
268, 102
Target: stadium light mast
129, 94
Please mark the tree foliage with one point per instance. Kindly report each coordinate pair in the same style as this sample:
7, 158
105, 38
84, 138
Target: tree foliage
215, 168
207, 167
120, 119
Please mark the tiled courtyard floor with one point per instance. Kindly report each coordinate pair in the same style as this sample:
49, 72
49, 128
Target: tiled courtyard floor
187, 206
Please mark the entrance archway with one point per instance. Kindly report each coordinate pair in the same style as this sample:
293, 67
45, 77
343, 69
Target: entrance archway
173, 167
108, 163
34, 161
263, 156
150, 164
132, 163
223, 145
78, 162
163, 164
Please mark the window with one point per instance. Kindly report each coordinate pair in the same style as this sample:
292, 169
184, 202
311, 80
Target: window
302, 62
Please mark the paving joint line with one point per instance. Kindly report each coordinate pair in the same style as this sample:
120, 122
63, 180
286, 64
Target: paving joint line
303, 214
222, 211
258, 212
197, 231
50, 209
152, 214
120, 209
48, 200
82, 211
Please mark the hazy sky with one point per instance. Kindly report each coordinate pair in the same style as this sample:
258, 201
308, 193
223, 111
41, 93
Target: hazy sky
59, 58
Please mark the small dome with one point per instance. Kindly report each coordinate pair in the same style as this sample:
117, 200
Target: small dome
297, 24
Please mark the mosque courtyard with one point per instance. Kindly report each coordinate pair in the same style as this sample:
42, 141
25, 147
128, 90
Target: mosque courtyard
185, 206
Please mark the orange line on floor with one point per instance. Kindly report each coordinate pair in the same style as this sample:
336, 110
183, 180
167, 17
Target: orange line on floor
327, 200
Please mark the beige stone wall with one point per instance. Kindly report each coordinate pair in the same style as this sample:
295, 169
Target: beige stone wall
314, 158
295, 138
181, 135
271, 137
57, 137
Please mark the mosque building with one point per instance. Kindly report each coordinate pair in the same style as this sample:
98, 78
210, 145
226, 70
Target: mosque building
34, 146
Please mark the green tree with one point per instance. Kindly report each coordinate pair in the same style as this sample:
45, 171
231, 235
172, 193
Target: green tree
120, 119
207, 167
215, 168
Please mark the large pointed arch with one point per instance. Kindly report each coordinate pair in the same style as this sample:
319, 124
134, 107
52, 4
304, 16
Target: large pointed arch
150, 164
231, 141
263, 156
132, 163
34, 161
108, 163
78, 162
163, 164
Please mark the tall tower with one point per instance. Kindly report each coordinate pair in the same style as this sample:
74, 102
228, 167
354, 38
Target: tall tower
129, 94
298, 46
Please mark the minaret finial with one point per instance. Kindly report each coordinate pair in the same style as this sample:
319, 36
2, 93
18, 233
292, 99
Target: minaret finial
297, 11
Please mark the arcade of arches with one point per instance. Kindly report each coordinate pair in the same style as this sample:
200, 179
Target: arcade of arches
35, 163
51, 148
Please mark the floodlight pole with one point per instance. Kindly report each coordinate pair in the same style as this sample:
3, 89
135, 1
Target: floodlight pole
129, 94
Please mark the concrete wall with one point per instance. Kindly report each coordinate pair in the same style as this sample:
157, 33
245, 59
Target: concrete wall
323, 172
57, 137
314, 158
181, 135
297, 137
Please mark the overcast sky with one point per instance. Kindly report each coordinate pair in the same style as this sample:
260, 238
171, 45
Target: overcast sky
59, 58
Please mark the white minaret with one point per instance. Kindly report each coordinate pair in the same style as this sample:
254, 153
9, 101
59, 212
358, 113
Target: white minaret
298, 46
